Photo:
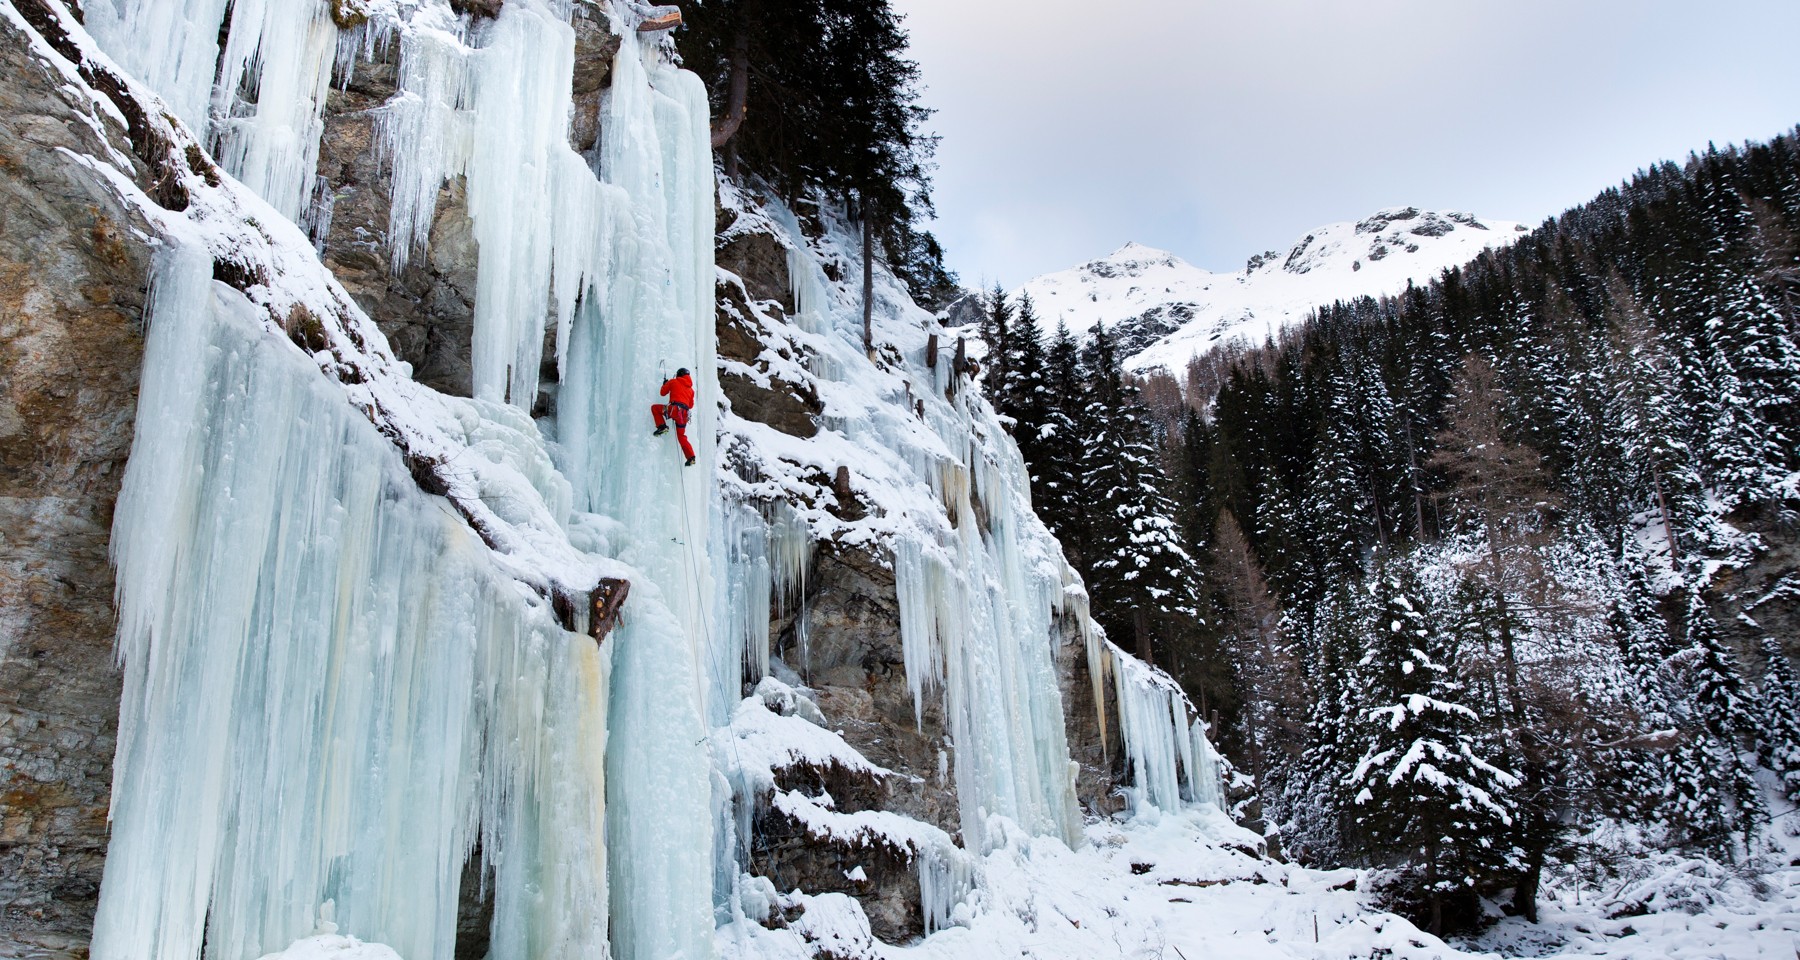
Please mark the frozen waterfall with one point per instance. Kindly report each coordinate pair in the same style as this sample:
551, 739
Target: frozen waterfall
331, 696
336, 693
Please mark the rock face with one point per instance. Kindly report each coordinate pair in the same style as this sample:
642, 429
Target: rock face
427, 310
1762, 598
760, 261
842, 638
851, 655
73, 263
71, 300
1098, 753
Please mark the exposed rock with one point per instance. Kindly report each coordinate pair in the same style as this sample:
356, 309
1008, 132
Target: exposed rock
761, 261
71, 300
1099, 758
850, 652
595, 47
758, 258
1762, 598
478, 8
880, 876
1139, 332
427, 311
792, 408
966, 310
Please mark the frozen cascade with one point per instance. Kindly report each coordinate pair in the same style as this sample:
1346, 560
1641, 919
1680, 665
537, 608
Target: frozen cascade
619, 251
646, 313
281, 51
980, 595
1173, 764
330, 694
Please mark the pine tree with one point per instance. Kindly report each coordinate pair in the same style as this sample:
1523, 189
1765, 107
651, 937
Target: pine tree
1058, 486
996, 332
1427, 781
1714, 794
1143, 581
1644, 642
1027, 389
1778, 729
1318, 792
819, 95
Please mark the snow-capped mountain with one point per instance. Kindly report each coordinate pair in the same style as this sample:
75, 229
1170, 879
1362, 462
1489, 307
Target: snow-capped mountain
1165, 310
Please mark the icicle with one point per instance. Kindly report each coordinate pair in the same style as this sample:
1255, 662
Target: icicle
1172, 763
173, 47
426, 131
329, 690
279, 52
499, 116
283, 50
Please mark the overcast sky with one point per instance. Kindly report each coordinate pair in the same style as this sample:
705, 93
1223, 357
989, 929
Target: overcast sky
1219, 129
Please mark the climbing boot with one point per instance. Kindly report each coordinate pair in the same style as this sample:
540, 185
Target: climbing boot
659, 431
690, 461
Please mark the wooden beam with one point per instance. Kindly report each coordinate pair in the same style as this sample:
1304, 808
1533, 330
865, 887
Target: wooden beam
661, 18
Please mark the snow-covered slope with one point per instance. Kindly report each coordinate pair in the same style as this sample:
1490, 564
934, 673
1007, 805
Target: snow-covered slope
1166, 310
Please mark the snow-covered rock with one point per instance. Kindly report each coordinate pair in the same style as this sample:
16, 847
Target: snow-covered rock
1164, 310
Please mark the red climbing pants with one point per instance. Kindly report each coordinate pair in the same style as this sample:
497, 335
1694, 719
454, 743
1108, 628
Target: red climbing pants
679, 414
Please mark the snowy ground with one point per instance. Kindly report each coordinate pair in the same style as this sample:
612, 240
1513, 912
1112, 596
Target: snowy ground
1175, 887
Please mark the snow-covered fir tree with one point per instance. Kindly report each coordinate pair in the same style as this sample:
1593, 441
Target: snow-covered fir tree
1430, 782
1778, 719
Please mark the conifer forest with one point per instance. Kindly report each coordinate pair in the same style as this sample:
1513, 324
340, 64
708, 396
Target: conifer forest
1497, 524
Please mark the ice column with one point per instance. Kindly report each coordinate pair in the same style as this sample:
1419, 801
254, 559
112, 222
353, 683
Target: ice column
622, 257
499, 115
285, 49
646, 311
329, 693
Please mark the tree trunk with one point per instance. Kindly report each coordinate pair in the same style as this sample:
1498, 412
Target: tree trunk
738, 100
868, 290
1662, 503
1435, 895
1142, 624
1525, 895
1418, 485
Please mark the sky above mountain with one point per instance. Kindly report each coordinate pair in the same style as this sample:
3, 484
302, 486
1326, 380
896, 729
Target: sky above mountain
1220, 129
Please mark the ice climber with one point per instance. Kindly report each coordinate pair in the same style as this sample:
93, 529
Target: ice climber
680, 391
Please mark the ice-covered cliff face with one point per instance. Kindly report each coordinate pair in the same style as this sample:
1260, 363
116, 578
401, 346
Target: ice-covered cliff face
1166, 311
354, 610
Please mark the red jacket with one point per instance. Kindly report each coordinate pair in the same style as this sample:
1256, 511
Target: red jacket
680, 390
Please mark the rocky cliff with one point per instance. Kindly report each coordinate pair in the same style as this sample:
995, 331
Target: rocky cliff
918, 617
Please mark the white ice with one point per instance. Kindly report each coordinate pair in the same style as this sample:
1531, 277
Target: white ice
331, 695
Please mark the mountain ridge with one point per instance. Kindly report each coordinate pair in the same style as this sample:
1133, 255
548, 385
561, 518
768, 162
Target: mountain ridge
1163, 311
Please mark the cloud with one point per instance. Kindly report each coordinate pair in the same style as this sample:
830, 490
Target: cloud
1220, 129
